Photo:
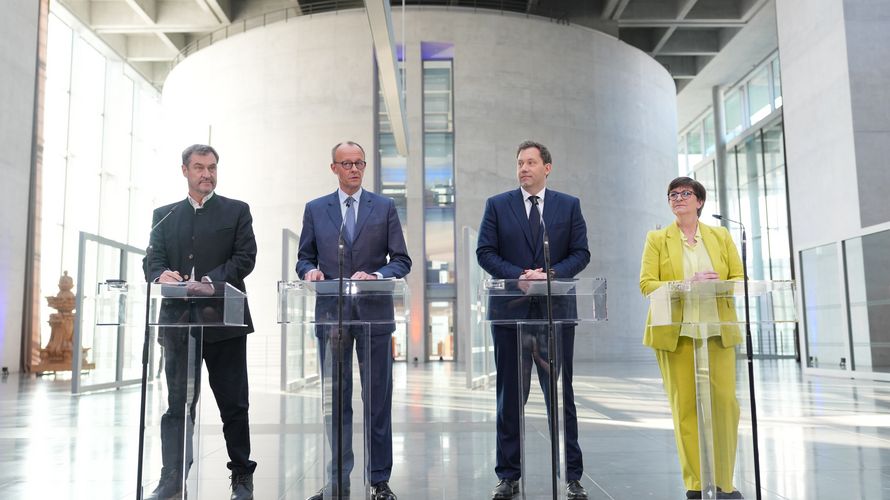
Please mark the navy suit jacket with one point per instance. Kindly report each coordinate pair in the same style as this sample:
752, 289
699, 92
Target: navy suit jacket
505, 247
377, 246
216, 240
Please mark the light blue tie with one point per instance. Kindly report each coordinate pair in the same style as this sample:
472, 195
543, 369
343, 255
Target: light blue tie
350, 218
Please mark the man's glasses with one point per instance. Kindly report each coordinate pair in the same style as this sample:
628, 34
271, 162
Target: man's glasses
679, 195
347, 165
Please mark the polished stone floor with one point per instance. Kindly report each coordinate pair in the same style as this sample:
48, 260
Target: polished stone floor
820, 438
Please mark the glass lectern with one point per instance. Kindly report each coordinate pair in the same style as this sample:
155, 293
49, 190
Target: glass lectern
520, 308
360, 316
713, 311
180, 317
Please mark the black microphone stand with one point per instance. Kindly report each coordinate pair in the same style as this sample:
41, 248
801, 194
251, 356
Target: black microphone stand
145, 346
749, 345
338, 415
552, 356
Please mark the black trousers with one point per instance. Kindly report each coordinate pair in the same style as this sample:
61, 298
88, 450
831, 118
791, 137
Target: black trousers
227, 373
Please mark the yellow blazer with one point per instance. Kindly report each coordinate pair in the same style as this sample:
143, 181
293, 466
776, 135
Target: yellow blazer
663, 261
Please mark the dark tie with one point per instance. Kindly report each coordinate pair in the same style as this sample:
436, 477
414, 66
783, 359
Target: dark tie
350, 219
534, 219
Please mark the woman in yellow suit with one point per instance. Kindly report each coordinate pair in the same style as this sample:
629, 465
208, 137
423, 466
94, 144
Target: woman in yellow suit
690, 250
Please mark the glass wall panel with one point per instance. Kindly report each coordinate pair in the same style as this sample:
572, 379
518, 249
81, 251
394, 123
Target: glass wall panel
681, 156
755, 188
694, 148
439, 199
826, 330
705, 175
440, 314
732, 114
868, 289
752, 203
708, 131
439, 207
758, 95
776, 231
96, 159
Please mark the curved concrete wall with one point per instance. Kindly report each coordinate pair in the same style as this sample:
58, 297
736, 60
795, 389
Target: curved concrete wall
274, 100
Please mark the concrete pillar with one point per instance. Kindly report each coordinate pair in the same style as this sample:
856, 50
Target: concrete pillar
19, 28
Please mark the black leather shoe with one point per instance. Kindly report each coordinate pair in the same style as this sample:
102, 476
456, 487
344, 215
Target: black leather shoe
169, 486
574, 491
734, 494
505, 490
242, 486
329, 493
693, 494
381, 491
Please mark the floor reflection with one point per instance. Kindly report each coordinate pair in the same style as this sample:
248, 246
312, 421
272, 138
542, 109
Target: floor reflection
820, 438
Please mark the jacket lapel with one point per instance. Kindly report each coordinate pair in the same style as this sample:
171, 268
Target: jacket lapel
674, 240
334, 211
517, 204
365, 209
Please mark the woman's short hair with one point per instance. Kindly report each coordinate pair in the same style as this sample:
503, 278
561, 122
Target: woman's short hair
697, 188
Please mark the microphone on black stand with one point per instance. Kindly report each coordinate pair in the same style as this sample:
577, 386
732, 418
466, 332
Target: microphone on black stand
145, 344
750, 355
551, 348
341, 249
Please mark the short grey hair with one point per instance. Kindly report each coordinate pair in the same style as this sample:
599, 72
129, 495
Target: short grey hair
348, 143
545, 153
200, 149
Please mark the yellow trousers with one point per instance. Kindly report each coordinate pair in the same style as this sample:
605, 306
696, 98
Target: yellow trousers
678, 373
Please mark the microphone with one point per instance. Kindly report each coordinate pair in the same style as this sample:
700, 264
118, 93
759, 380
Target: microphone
744, 243
162, 220
145, 260
727, 219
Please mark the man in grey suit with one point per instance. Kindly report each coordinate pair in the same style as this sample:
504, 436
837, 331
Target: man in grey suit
374, 248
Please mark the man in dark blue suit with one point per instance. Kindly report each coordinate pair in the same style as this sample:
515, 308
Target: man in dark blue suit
374, 249
510, 246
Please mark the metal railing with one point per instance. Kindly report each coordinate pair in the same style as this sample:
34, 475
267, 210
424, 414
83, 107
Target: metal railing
322, 6
114, 352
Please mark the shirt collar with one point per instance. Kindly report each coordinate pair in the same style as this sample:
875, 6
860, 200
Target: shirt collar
195, 204
342, 195
526, 194
697, 235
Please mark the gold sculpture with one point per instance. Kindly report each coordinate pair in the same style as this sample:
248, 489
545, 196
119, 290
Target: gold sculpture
56, 356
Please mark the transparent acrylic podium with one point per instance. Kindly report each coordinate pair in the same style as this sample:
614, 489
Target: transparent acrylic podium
370, 311
522, 305
715, 309
178, 315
